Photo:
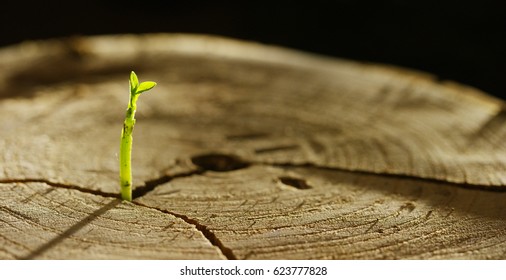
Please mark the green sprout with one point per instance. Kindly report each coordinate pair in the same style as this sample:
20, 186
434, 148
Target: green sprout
125, 154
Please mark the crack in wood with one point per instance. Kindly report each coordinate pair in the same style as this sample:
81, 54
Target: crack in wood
138, 192
206, 232
224, 163
297, 183
58, 185
150, 185
464, 185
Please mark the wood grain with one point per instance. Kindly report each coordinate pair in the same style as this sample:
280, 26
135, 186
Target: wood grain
339, 215
43, 222
258, 151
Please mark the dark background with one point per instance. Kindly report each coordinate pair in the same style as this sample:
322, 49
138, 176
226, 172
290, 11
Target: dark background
464, 41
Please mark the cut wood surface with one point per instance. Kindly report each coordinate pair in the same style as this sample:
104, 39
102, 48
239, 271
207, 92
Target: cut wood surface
243, 151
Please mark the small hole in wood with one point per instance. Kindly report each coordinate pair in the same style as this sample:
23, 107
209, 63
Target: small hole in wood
294, 182
219, 162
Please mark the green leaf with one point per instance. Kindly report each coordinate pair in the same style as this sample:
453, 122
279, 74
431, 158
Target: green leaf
134, 82
145, 86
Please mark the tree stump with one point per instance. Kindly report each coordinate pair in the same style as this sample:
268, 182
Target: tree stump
243, 151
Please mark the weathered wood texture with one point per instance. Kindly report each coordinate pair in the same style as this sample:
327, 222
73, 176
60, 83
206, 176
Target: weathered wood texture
243, 151
49, 222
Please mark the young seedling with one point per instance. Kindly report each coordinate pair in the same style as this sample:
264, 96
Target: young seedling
125, 153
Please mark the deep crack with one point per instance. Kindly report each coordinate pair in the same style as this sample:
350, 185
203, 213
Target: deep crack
137, 191
227, 162
464, 185
206, 232
59, 185
152, 184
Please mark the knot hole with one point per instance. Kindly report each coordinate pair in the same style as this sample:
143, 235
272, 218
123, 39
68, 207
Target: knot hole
219, 162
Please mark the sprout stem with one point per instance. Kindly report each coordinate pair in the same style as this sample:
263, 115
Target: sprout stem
125, 155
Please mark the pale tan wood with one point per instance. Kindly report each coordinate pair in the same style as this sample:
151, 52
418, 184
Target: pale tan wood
39, 221
306, 109
343, 215
325, 120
